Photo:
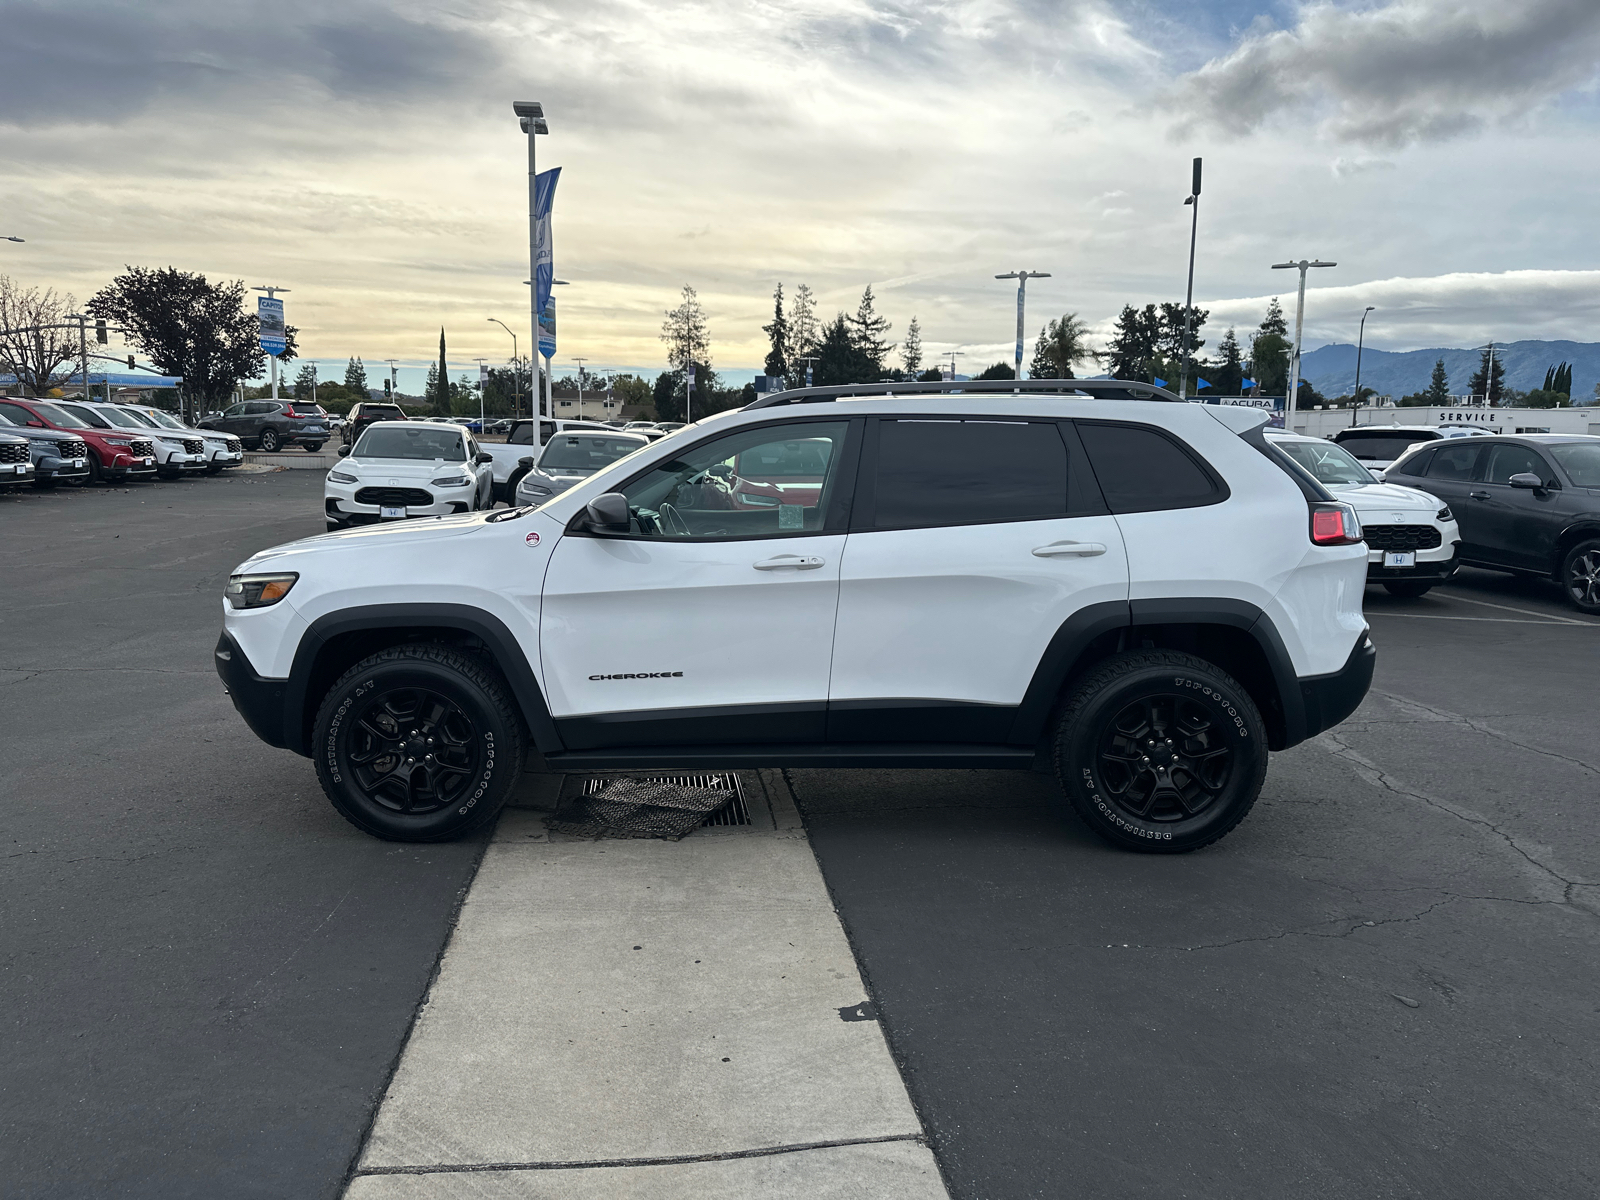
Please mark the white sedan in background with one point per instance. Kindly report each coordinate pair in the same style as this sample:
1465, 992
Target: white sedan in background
397, 470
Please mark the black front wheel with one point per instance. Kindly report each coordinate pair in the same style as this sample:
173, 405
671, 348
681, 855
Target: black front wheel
1161, 752
1580, 576
418, 743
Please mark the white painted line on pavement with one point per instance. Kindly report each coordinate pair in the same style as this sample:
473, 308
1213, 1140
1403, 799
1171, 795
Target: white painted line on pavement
604, 1006
1527, 612
1443, 617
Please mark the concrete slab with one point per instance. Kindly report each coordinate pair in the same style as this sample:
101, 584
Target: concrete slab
897, 1170
619, 1000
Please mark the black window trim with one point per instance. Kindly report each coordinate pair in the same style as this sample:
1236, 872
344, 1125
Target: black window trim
836, 521
1221, 493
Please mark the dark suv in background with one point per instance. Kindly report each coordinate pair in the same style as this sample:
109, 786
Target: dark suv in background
1525, 503
270, 425
364, 414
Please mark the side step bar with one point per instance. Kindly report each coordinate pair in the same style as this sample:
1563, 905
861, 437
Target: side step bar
747, 757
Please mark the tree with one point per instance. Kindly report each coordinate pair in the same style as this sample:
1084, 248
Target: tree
668, 396
1226, 375
1169, 340
867, 330
1062, 345
931, 375
305, 383
911, 350
1274, 321
632, 392
805, 334
438, 393
1000, 370
1269, 363
684, 332
840, 359
1132, 351
1559, 379
777, 337
35, 356
191, 327
1438, 391
1490, 378
355, 377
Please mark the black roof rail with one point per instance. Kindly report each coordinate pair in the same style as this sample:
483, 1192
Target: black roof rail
1110, 389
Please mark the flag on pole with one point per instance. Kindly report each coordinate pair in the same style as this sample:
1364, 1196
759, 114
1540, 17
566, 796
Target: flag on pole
1158, 382
1200, 383
1248, 383
544, 268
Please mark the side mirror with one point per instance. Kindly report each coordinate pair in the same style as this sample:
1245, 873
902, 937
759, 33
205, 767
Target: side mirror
608, 513
1527, 481
35, 424
525, 462
484, 456
343, 451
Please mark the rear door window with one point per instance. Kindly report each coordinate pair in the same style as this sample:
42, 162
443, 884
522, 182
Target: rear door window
1142, 469
1455, 462
936, 472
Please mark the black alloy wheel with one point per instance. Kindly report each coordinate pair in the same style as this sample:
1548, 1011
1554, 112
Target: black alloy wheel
418, 743
269, 441
1580, 576
1160, 751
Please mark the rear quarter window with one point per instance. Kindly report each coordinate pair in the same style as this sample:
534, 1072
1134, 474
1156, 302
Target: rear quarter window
1142, 469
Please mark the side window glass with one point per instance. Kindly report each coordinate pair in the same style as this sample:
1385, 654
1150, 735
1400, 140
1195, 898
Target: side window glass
522, 435
1417, 464
1506, 461
967, 472
762, 482
1453, 462
1142, 470
15, 414
234, 410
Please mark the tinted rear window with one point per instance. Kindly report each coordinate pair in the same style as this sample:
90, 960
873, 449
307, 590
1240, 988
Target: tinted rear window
1417, 464
1456, 461
967, 472
388, 411
1141, 470
1385, 446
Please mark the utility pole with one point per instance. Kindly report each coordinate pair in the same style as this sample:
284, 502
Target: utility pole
1188, 299
1355, 401
272, 358
516, 370
1299, 320
530, 113
688, 394
1022, 278
313, 382
580, 360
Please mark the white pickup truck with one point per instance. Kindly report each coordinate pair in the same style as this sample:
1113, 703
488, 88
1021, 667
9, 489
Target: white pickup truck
513, 457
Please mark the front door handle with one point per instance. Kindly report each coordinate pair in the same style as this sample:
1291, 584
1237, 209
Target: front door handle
1069, 550
1480, 495
794, 562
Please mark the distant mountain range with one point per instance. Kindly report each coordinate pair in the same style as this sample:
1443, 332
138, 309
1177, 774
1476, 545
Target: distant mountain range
1332, 369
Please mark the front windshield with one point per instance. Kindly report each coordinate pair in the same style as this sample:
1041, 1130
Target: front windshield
585, 452
138, 417
403, 441
167, 419
60, 416
1581, 462
1327, 462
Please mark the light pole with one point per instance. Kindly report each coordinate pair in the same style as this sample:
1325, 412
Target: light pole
808, 359
530, 114
273, 358
1188, 299
12, 239
1299, 319
83, 347
1488, 375
483, 382
580, 360
394, 380
516, 371
1361, 338
1022, 278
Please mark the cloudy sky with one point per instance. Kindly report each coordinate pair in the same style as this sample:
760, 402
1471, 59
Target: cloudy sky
364, 155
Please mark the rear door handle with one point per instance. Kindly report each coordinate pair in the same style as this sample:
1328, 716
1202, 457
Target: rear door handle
795, 562
1480, 495
1069, 550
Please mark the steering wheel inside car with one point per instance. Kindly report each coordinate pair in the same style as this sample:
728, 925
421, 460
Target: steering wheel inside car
672, 522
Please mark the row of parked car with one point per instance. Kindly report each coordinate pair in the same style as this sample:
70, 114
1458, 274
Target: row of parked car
51, 442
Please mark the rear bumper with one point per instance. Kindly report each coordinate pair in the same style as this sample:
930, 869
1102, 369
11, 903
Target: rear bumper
259, 701
1329, 699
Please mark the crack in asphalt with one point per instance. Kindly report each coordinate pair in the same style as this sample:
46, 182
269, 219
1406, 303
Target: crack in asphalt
1446, 717
1376, 775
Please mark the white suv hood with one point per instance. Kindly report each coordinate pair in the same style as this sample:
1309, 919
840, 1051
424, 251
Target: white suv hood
408, 470
1384, 495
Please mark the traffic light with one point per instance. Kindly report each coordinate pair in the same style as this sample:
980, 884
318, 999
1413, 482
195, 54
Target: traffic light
100, 332
130, 362
388, 388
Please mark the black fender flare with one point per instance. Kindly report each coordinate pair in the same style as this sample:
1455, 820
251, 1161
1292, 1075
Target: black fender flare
503, 646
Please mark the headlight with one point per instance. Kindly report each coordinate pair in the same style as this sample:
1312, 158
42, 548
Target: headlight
451, 481
118, 442
41, 444
341, 477
533, 489
1444, 514
258, 591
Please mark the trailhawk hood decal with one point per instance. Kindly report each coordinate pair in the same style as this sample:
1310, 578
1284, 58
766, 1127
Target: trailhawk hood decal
395, 533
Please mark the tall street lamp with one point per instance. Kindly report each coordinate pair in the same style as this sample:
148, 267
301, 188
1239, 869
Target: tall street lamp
1299, 320
516, 371
1188, 299
1022, 278
530, 113
13, 239
1360, 340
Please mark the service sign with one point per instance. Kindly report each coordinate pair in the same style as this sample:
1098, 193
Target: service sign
269, 315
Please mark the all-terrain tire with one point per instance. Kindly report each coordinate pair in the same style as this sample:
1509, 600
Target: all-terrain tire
418, 743
1160, 751
1580, 576
1408, 589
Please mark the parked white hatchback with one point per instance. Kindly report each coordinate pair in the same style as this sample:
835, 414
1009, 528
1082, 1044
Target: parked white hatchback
1413, 541
415, 469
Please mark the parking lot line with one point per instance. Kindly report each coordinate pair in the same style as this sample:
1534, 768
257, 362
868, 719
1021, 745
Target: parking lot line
1380, 612
1559, 620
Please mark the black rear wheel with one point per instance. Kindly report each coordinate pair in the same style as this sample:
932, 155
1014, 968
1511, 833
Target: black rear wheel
418, 743
269, 441
1580, 576
1161, 752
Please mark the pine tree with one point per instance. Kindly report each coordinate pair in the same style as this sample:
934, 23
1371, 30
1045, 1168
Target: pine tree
1169, 343
1439, 386
1274, 321
911, 351
805, 334
867, 330
1132, 352
1227, 374
439, 383
305, 382
355, 378
840, 359
778, 337
685, 333
1489, 380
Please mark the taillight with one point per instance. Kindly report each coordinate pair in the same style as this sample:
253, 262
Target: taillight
1335, 525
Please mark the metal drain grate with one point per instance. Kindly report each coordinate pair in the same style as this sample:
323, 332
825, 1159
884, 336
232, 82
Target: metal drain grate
734, 812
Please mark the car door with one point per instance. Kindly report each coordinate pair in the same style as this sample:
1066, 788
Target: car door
711, 621
1450, 476
1516, 527
973, 540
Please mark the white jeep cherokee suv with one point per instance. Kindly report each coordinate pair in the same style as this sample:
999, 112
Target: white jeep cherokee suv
1136, 590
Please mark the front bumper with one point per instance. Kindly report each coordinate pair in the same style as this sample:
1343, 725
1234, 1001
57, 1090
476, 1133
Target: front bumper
1437, 569
1329, 699
181, 461
341, 506
225, 458
17, 472
259, 701
62, 470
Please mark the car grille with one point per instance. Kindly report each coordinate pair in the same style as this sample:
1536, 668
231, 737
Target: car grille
410, 497
1401, 537
71, 449
10, 453
235, 446
193, 446
141, 447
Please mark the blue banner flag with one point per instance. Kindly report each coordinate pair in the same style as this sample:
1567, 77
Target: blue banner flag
1247, 383
544, 262
547, 328
1158, 382
1200, 383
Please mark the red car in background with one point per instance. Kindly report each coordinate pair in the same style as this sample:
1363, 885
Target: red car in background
113, 454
